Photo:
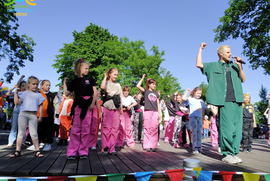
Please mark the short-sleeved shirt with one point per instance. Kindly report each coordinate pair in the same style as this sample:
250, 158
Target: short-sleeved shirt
217, 88
30, 100
112, 88
150, 100
82, 86
127, 101
248, 111
195, 106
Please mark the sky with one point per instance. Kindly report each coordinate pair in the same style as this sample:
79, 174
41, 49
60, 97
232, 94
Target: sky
175, 26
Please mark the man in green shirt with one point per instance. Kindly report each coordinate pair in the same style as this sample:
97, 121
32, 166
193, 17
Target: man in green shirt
225, 92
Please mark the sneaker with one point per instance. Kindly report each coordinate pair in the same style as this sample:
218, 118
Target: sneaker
185, 145
31, 148
190, 145
47, 147
148, 150
113, 153
239, 160
83, 157
41, 145
9, 145
105, 151
229, 159
27, 144
93, 148
71, 157
175, 145
153, 149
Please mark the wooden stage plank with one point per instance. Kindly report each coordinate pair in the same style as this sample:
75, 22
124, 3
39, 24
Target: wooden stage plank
59, 164
129, 160
43, 167
96, 165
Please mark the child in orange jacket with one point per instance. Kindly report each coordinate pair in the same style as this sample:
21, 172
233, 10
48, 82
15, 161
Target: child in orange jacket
65, 118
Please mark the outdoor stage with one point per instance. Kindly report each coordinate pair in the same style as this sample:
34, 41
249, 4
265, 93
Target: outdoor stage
130, 160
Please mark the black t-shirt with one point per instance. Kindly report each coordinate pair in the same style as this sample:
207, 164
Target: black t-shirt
150, 100
248, 111
139, 104
82, 86
230, 97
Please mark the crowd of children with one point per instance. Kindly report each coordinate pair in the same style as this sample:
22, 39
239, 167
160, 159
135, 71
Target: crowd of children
75, 114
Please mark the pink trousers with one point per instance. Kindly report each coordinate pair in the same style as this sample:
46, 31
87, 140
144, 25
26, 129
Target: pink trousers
214, 132
79, 135
169, 128
125, 131
109, 129
93, 129
150, 129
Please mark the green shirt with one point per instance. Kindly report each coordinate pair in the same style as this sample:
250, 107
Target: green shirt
217, 88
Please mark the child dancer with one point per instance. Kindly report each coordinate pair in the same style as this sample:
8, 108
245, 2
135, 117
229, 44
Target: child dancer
196, 113
22, 85
125, 131
30, 101
169, 123
84, 88
95, 124
138, 118
112, 106
65, 118
205, 126
180, 110
267, 115
213, 124
46, 127
249, 122
56, 104
152, 114
166, 118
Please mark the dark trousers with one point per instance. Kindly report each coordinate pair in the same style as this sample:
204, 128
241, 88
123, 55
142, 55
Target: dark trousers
247, 133
183, 131
46, 130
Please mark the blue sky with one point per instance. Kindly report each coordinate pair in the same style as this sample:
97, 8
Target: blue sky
175, 26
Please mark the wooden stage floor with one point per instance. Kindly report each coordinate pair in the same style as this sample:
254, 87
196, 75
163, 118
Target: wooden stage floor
129, 160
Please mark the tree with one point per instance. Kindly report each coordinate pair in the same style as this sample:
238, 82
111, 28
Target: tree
103, 50
261, 106
16, 48
250, 20
204, 88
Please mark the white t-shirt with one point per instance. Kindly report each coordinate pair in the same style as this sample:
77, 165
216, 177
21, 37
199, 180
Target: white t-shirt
127, 101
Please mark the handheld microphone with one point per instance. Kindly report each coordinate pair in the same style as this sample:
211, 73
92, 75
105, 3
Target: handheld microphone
240, 61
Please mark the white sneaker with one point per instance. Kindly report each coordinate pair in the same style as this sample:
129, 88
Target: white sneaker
93, 148
47, 147
239, 160
41, 145
31, 148
229, 159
